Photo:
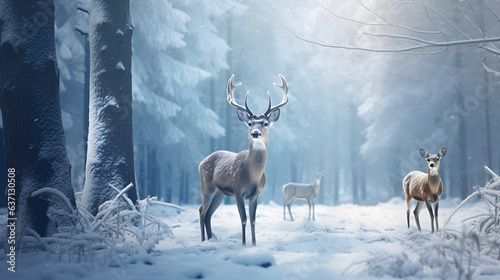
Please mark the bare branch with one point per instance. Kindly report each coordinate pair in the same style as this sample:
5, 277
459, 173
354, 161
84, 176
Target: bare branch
83, 9
394, 24
427, 43
470, 20
448, 21
492, 174
82, 31
493, 11
387, 23
494, 51
416, 45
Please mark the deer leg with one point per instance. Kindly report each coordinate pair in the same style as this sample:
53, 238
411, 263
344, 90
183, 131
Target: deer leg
429, 208
284, 211
252, 209
202, 223
309, 203
216, 201
312, 201
436, 206
207, 201
418, 207
240, 203
408, 207
286, 203
289, 205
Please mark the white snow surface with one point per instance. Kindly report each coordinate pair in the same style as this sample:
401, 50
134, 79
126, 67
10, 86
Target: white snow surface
345, 242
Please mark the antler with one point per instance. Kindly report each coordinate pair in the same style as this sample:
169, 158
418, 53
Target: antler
284, 86
230, 97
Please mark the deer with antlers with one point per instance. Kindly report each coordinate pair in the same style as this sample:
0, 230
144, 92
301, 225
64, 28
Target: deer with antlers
425, 188
242, 174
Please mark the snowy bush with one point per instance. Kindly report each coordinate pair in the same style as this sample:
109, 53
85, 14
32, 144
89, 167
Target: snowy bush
119, 230
382, 263
486, 224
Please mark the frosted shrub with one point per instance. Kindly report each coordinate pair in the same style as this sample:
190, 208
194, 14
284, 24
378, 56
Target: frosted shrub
486, 224
119, 229
451, 256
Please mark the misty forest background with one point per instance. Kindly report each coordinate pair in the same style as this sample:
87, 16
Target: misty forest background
360, 116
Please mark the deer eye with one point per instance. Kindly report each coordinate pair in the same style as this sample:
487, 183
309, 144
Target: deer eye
437, 159
428, 159
249, 123
266, 124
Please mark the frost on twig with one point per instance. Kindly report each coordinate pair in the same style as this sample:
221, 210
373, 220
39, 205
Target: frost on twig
490, 194
119, 229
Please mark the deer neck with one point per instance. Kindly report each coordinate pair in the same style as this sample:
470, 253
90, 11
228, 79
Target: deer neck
257, 157
316, 185
433, 178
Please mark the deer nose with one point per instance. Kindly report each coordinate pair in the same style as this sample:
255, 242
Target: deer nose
256, 134
432, 165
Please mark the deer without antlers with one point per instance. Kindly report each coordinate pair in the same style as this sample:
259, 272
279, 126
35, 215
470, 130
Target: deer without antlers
308, 192
425, 188
242, 174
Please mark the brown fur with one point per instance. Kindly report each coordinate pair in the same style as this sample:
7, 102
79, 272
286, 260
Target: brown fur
242, 174
425, 188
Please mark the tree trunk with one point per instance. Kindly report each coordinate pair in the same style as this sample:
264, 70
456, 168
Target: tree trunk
229, 109
336, 183
182, 185
35, 147
462, 135
86, 92
3, 172
334, 160
354, 154
362, 176
110, 156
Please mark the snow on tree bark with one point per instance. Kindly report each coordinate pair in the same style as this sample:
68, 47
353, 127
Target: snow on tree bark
110, 158
35, 145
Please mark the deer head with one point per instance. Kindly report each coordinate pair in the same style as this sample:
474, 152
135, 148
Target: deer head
433, 160
258, 125
317, 176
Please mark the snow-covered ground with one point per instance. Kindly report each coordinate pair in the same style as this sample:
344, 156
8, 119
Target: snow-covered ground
345, 242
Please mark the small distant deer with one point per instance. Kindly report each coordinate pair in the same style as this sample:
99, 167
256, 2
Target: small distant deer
308, 192
424, 188
239, 174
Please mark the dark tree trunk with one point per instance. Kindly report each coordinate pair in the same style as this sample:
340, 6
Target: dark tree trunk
86, 92
35, 147
3, 172
110, 156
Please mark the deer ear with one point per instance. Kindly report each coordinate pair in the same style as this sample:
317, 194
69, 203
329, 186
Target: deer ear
424, 153
442, 152
242, 115
274, 115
